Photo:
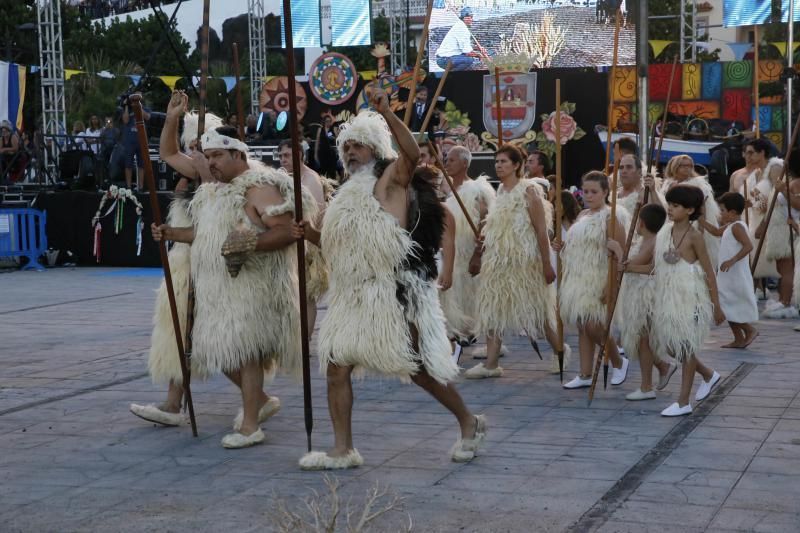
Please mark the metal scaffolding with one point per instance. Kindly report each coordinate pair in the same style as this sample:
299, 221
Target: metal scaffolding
397, 13
51, 59
258, 51
688, 22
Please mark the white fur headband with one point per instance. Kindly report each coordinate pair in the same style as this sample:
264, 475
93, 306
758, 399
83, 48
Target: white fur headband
212, 140
190, 126
370, 129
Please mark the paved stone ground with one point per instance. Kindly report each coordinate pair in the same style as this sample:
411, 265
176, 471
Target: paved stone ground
72, 458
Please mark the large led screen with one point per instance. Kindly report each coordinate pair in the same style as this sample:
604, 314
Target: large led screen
306, 32
553, 33
350, 23
745, 12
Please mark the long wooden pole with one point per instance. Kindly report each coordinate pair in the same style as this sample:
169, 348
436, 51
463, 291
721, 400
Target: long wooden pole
784, 175
449, 181
436, 94
612, 80
201, 111
150, 183
559, 221
499, 106
667, 100
755, 81
239, 103
298, 216
423, 42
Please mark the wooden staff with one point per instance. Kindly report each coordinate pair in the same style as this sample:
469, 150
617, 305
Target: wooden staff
612, 291
449, 180
559, 221
201, 112
239, 104
611, 91
423, 41
755, 81
150, 183
664, 116
298, 217
431, 107
498, 103
784, 175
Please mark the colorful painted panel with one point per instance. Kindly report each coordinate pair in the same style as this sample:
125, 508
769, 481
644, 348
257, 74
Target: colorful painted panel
655, 111
712, 81
775, 136
659, 82
737, 75
778, 118
699, 108
624, 87
736, 104
621, 113
764, 117
769, 70
692, 76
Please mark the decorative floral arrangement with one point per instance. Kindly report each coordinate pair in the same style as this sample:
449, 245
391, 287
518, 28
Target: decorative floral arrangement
119, 195
546, 139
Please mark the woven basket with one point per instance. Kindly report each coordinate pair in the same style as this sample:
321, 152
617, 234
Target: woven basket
697, 130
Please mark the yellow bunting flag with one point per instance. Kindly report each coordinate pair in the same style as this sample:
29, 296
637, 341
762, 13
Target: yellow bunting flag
659, 46
68, 73
170, 81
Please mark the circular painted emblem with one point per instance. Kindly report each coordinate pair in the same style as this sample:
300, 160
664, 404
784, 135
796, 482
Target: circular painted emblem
275, 96
332, 78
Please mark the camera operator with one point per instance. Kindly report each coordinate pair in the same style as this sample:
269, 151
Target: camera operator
130, 142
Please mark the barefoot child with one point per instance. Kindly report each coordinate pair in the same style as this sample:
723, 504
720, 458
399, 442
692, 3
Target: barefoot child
733, 279
638, 298
686, 292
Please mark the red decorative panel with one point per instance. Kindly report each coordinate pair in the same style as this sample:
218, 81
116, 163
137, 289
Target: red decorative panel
736, 105
659, 80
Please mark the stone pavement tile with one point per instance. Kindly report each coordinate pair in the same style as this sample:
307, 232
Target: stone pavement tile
616, 526
723, 446
555, 486
744, 390
725, 409
586, 468
729, 434
766, 400
784, 484
756, 520
705, 459
676, 493
781, 450
775, 465
683, 515
679, 475
743, 422
792, 413
484, 482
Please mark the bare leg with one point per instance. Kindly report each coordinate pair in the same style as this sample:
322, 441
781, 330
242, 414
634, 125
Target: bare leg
493, 344
596, 332
448, 396
738, 336
586, 349
786, 270
128, 177
252, 374
174, 398
236, 378
552, 338
311, 307
687, 379
340, 406
646, 364
706, 372
750, 333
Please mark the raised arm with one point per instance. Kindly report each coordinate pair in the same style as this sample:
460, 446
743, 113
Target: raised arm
402, 169
168, 148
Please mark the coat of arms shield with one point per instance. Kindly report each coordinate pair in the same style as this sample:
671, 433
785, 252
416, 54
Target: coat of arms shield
518, 103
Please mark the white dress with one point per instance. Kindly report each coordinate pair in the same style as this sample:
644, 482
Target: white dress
735, 286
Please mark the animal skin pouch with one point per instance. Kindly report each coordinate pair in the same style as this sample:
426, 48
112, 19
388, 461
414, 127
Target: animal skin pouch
672, 256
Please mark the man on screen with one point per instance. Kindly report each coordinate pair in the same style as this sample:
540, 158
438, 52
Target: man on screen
457, 45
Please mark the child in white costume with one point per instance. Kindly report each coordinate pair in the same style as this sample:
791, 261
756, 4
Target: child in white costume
637, 299
516, 290
585, 275
734, 277
686, 292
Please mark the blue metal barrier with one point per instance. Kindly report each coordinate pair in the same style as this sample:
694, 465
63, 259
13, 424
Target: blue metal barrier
22, 234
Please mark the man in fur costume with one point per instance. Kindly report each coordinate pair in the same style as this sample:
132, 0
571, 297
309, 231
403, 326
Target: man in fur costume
316, 271
380, 235
163, 361
246, 311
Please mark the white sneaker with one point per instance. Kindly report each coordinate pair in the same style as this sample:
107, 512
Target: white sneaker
618, 375
480, 372
578, 383
663, 381
781, 311
705, 387
677, 410
638, 395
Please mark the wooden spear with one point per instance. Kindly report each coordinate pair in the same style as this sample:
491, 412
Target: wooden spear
613, 78
239, 104
559, 221
664, 116
423, 41
449, 180
785, 176
150, 183
298, 216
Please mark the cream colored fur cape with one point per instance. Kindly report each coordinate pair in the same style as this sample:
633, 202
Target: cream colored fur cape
254, 316
513, 294
683, 314
634, 308
584, 260
458, 302
366, 326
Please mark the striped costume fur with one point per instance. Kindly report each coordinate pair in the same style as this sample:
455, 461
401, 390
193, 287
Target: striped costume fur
254, 316
458, 302
513, 294
366, 325
683, 316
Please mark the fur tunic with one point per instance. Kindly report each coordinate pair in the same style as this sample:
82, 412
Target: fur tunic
710, 210
513, 294
629, 204
683, 316
778, 237
634, 308
766, 265
366, 325
585, 267
254, 316
458, 302
163, 362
